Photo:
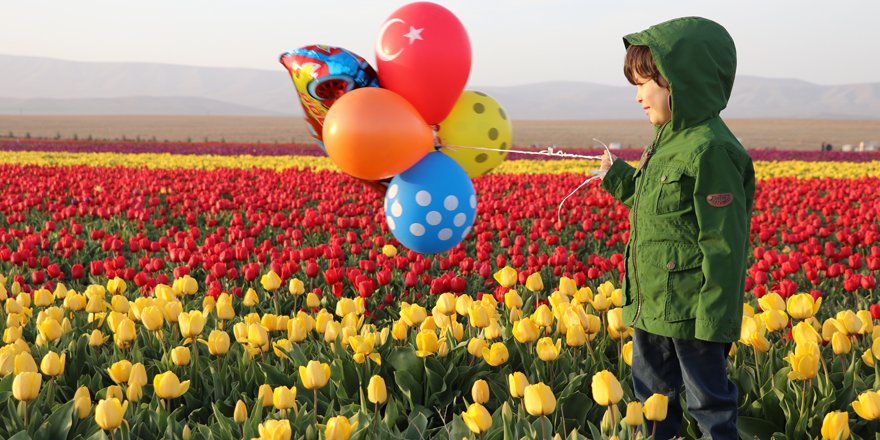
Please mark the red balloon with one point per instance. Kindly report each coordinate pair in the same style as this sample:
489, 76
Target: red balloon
423, 53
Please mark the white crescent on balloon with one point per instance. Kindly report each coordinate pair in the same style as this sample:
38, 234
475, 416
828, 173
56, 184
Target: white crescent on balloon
380, 51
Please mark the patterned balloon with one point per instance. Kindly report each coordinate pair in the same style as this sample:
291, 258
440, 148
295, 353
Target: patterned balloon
321, 75
431, 206
476, 120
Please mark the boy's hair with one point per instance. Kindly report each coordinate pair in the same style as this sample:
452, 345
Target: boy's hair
639, 61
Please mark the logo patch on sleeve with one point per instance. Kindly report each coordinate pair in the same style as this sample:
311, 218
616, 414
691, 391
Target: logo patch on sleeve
720, 200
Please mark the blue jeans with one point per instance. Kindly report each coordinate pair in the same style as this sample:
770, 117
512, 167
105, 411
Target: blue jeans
662, 365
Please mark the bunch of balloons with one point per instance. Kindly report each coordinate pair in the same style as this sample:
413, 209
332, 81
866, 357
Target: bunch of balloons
390, 123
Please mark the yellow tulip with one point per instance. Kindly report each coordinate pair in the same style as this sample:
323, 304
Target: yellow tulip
445, 303
615, 321
601, 303
616, 297
606, 389
748, 310
752, 333
250, 298
138, 375
412, 315
52, 364
283, 397
225, 310
840, 343
167, 386
475, 347
506, 277
270, 281
240, 414
296, 287
191, 324
152, 318
116, 286
462, 304
11, 334
634, 416
868, 357
399, 330
275, 429
338, 428
493, 331
185, 286
313, 301
50, 329
868, 405
627, 353
867, 322
771, 301
525, 330
478, 314
774, 320
496, 355
82, 402
804, 361
113, 391
120, 304
270, 322
26, 386
389, 251
543, 316
805, 333
480, 391
75, 302
43, 298
376, 391
134, 392
363, 348
281, 347
427, 343
120, 371
548, 350
265, 395
849, 322
180, 356
477, 418
258, 337
534, 283
109, 413
539, 399
575, 336
315, 375
517, 383
125, 333
656, 407
218, 342
803, 306
835, 425
172, 311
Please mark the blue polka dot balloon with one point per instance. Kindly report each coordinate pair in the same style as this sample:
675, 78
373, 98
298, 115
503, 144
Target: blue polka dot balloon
431, 206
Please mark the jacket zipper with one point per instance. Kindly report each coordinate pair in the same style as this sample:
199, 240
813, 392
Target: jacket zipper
634, 223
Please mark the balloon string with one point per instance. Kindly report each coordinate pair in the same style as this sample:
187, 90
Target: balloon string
549, 151
559, 209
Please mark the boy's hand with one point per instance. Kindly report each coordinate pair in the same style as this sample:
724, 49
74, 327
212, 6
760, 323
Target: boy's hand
607, 160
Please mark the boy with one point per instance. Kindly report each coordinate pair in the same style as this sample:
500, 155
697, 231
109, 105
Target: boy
690, 202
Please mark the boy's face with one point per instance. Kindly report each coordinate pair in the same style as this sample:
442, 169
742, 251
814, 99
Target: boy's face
654, 99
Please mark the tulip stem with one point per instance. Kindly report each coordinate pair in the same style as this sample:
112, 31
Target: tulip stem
543, 433
654, 430
758, 374
375, 418
275, 299
24, 405
315, 391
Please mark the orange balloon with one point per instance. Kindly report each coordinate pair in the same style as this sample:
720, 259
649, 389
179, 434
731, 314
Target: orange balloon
374, 134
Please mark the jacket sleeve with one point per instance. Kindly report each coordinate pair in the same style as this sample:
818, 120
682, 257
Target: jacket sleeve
723, 196
619, 182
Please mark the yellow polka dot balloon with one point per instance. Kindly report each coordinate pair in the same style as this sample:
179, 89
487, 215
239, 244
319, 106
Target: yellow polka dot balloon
476, 120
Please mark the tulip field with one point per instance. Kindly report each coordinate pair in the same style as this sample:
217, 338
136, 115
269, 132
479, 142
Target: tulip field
228, 291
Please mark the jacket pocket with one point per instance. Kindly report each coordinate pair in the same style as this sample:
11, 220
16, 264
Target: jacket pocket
684, 280
669, 194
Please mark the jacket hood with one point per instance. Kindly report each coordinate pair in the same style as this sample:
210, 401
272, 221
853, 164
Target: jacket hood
698, 58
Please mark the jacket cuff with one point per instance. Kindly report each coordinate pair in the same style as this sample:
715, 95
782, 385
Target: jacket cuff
616, 176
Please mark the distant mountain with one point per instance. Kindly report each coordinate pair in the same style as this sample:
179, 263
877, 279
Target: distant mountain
32, 85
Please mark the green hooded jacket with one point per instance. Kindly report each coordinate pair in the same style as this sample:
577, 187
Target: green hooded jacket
691, 202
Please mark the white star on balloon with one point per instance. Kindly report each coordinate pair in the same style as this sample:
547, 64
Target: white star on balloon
414, 34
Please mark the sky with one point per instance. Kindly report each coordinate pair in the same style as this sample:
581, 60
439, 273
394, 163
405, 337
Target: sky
513, 42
